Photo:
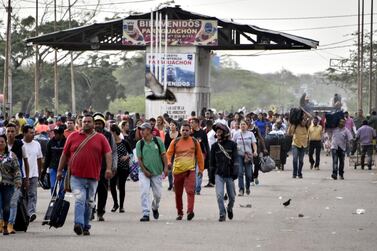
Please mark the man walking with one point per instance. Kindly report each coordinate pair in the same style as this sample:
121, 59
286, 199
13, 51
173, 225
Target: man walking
340, 137
54, 150
201, 136
365, 135
315, 139
151, 154
187, 155
34, 155
103, 184
85, 169
224, 163
299, 144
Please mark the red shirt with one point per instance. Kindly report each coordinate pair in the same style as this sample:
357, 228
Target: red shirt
87, 163
155, 132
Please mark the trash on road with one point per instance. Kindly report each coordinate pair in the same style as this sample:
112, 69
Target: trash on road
246, 206
301, 215
339, 198
280, 197
360, 211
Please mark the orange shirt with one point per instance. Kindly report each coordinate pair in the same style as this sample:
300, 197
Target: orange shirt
41, 128
186, 155
67, 133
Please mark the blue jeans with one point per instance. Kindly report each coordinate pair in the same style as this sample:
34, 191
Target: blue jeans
13, 206
244, 169
6, 192
230, 189
32, 195
199, 180
170, 178
84, 191
338, 156
53, 172
298, 160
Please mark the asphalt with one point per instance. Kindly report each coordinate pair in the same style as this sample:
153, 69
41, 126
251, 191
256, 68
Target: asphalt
321, 216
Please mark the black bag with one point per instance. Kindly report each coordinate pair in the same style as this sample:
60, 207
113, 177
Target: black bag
22, 217
57, 210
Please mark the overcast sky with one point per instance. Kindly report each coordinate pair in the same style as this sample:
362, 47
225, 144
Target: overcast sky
269, 10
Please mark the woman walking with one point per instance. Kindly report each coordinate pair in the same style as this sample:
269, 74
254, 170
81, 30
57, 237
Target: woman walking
10, 178
124, 151
172, 133
247, 149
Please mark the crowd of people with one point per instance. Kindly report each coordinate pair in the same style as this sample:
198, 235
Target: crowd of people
92, 153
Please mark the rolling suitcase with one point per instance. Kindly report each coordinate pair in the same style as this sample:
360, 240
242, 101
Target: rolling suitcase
22, 217
57, 210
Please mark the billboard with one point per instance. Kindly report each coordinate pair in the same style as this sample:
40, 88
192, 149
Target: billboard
180, 68
180, 32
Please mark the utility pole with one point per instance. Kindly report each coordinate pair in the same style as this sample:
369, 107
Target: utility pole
362, 56
370, 101
7, 69
36, 68
73, 94
56, 91
358, 57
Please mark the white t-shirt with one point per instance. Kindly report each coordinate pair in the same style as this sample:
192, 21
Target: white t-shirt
33, 152
244, 141
211, 138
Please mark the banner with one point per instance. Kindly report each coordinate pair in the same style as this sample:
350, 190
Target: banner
180, 68
180, 32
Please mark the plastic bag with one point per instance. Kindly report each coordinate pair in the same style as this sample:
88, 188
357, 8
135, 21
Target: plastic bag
267, 164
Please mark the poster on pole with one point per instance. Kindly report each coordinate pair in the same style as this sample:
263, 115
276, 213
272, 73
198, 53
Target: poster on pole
180, 32
180, 68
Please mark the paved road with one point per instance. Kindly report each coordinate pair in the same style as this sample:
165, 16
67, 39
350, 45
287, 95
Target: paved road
328, 206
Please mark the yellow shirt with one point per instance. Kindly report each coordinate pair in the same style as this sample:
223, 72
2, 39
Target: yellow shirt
315, 133
300, 136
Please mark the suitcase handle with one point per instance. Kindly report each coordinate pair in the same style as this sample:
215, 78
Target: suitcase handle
54, 191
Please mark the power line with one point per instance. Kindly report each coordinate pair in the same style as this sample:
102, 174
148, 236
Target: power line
288, 52
324, 27
300, 18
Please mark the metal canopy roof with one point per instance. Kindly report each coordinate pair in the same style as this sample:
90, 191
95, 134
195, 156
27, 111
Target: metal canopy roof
110, 33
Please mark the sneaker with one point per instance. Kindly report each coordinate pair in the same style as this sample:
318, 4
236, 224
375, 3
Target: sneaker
78, 229
209, 185
341, 177
294, 176
33, 217
317, 168
115, 208
256, 181
86, 232
197, 193
179, 217
311, 166
334, 176
300, 177
252, 183
121, 210
241, 192
248, 191
170, 188
222, 218
190, 216
100, 218
230, 213
156, 214
144, 218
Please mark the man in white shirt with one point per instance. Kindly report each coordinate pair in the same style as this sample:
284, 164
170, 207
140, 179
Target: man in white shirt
221, 119
34, 155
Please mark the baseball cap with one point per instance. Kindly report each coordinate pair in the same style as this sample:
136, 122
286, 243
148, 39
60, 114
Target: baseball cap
145, 126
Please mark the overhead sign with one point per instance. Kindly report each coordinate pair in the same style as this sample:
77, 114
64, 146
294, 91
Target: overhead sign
180, 32
180, 68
